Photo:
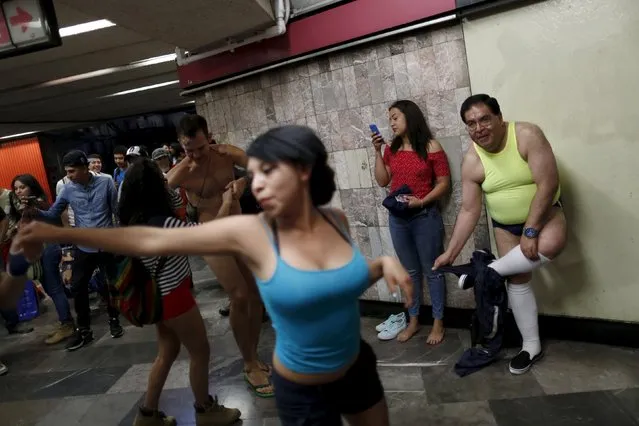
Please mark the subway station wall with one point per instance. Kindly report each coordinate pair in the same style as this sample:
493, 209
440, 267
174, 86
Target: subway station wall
339, 96
571, 66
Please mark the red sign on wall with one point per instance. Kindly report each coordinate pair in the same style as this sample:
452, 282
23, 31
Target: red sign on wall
343, 23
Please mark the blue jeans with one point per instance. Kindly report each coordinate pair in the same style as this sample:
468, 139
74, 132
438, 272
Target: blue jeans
52, 282
418, 241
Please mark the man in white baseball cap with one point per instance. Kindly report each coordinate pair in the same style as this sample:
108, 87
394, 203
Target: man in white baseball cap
133, 153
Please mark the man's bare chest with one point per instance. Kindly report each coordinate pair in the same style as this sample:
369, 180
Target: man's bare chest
208, 181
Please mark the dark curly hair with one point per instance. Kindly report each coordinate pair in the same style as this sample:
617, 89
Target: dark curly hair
298, 145
36, 191
144, 194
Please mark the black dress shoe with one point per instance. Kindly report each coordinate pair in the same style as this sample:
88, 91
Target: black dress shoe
79, 339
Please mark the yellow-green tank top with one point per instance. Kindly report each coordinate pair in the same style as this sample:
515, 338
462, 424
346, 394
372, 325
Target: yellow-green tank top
508, 182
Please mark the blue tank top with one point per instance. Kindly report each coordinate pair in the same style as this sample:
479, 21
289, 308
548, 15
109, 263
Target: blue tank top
315, 314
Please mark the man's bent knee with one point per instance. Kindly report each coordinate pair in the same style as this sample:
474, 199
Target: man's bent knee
553, 238
552, 248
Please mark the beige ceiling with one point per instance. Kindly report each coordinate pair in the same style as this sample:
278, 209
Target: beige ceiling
189, 24
145, 29
26, 107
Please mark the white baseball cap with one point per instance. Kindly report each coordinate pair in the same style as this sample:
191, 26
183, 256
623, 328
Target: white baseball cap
136, 151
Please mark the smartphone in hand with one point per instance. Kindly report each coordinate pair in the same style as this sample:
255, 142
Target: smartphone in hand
378, 140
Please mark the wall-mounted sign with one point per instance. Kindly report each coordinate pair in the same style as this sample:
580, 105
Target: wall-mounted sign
27, 26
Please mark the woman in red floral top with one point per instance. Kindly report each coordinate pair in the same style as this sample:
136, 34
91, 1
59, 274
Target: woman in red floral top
417, 164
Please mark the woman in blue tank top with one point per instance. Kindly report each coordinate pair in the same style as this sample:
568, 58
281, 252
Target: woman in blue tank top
309, 274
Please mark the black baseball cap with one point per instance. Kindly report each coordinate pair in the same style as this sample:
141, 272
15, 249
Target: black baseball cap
75, 158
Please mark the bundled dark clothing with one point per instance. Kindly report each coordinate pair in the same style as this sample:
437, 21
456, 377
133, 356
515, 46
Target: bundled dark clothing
487, 327
393, 203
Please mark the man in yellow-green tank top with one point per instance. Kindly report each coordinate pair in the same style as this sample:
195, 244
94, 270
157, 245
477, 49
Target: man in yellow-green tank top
513, 165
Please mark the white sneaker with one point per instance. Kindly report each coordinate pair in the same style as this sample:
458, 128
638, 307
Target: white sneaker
3, 369
393, 329
392, 318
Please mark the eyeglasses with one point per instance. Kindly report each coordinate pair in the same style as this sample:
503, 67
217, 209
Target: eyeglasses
485, 122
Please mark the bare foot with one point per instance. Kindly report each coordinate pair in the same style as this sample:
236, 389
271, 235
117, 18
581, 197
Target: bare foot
265, 367
436, 334
408, 332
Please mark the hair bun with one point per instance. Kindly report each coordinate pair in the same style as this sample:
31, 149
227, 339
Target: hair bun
322, 184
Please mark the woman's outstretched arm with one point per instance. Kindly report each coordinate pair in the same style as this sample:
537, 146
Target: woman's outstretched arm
221, 236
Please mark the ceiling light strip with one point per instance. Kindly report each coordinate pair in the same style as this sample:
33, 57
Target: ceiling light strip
17, 135
105, 71
86, 27
143, 88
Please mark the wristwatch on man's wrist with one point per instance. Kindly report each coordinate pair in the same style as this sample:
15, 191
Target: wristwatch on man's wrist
531, 233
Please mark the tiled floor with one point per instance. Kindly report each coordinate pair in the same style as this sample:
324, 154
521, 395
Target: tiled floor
575, 384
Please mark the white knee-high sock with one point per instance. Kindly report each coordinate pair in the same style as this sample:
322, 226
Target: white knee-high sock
524, 306
514, 262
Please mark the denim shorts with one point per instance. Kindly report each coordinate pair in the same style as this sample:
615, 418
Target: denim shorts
322, 405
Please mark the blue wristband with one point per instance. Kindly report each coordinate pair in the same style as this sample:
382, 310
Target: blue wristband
18, 265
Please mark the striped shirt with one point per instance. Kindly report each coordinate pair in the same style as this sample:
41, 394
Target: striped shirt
176, 268
176, 200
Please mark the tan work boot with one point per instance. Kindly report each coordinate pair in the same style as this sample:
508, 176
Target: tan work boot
63, 332
216, 414
158, 418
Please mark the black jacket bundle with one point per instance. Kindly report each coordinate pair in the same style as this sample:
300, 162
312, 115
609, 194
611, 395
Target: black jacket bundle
491, 303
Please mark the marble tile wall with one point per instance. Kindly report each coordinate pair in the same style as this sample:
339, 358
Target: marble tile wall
339, 95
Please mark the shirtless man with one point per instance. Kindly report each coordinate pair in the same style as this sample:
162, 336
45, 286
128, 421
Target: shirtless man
513, 165
206, 173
